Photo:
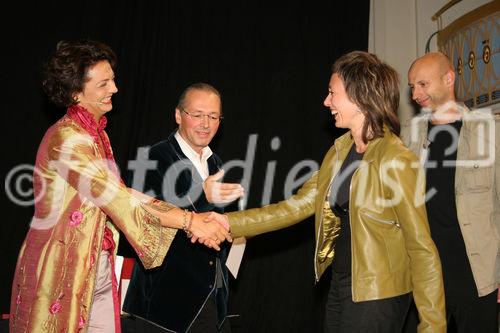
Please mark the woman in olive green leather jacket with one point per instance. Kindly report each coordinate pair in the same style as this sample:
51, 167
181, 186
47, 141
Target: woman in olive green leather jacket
368, 201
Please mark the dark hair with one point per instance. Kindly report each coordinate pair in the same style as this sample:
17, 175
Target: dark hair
198, 86
65, 73
374, 87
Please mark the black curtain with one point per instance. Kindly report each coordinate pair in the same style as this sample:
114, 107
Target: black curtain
271, 62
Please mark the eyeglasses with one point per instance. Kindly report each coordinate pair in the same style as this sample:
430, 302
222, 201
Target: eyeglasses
201, 116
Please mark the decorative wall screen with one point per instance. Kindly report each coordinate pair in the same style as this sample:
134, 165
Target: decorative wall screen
472, 42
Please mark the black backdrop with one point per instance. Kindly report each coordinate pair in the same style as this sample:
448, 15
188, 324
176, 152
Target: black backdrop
270, 61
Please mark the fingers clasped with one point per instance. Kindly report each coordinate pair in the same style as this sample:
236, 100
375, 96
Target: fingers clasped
208, 231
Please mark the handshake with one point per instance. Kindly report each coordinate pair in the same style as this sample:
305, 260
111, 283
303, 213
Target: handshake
210, 229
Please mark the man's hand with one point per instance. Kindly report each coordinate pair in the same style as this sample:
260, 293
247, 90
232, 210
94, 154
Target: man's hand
220, 193
210, 233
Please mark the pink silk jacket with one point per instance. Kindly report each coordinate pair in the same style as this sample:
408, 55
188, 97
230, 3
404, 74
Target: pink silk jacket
77, 196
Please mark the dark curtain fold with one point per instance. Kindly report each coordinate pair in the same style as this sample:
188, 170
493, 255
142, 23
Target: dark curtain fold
271, 62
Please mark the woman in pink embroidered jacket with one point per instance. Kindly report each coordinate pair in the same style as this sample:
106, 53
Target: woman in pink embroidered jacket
64, 279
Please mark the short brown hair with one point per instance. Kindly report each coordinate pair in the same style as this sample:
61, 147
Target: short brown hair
65, 73
374, 87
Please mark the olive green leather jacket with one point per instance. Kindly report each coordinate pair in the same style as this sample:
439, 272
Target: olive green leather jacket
392, 250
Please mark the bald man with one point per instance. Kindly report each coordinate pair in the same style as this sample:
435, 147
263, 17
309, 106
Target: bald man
460, 155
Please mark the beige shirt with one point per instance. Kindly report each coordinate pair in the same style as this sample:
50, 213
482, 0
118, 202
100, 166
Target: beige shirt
477, 189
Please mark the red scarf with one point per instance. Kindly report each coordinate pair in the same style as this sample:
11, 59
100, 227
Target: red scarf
87, 121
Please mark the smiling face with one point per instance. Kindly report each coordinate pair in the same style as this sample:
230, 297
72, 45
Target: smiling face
431, 81
98, 90
198, 132
346, 113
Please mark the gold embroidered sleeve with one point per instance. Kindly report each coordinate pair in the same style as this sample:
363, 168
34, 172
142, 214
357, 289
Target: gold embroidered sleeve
73, 157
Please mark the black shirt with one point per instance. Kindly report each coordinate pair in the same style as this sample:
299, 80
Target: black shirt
441, 205
339, 202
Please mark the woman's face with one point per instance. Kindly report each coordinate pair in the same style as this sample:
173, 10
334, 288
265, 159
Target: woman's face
346, 113
97, 91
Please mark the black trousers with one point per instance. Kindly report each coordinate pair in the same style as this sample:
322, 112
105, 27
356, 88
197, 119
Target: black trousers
207, 320
464, 308
343, 315
478, 314
464, 316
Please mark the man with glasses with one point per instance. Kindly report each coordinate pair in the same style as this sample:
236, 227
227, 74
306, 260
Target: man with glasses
189, 291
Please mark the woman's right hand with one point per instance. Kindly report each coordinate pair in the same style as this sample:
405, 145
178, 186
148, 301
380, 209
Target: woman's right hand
210, 233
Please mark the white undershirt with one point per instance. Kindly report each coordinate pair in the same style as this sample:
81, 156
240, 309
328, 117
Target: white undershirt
200, 163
